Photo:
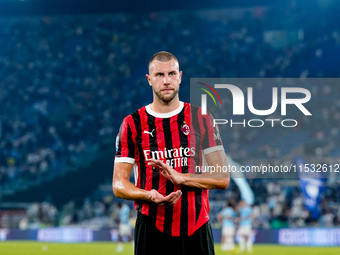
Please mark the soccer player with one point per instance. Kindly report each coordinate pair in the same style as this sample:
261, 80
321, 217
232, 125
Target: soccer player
245, 227
226, 216
163, 142
124, 225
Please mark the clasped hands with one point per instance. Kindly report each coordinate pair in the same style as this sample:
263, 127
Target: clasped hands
173, 176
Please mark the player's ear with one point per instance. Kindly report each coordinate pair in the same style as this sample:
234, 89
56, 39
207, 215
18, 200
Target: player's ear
180, 77
149, 79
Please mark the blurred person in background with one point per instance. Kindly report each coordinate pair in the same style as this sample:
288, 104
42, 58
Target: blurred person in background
245, 227
227, 217
124, 225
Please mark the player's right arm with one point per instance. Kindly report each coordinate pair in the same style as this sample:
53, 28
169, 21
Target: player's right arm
124, 161
123, 188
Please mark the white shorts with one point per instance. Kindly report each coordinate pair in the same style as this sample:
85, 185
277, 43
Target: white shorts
244, 230
124, 230
228, 231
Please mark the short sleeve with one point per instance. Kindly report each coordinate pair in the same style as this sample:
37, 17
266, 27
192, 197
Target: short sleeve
212, 139
125, 142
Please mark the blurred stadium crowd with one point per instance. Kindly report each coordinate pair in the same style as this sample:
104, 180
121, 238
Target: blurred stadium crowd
66, 82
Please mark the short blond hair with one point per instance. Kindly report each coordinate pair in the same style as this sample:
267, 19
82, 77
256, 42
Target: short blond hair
163, 56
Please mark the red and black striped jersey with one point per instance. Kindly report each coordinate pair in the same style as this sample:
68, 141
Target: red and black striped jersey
180, 139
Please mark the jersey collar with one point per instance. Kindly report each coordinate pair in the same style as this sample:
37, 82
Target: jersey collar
167, 114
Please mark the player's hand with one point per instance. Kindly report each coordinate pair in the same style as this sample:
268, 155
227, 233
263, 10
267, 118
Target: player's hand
167, 171
170, 199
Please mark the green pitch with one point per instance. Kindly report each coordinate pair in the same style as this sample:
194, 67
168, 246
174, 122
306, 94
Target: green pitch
106, 248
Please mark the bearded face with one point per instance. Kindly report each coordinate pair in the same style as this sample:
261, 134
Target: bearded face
164, 78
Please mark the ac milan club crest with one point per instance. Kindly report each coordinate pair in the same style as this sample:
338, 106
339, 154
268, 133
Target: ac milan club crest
185, 128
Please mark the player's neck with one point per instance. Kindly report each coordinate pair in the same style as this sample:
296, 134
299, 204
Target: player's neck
160, 106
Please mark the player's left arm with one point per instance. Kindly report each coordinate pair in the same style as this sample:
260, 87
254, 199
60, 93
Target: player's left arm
209, 180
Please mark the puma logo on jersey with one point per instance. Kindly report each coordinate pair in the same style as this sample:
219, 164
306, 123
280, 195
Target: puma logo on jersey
150, 133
